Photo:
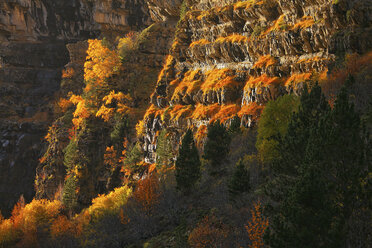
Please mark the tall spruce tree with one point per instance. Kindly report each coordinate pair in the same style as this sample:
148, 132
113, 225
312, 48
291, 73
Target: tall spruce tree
316, 191
239, 182
187, 164
217, 145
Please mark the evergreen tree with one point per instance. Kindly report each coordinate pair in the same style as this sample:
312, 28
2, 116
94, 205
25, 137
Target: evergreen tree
134, 156
317, 190
239, 182
69, 196
164, 149
217, 145
187, 164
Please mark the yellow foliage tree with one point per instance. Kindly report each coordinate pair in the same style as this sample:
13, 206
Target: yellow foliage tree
81, 112
101, 63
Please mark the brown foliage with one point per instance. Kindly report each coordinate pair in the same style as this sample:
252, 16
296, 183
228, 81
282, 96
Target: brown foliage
210, 232
147, 193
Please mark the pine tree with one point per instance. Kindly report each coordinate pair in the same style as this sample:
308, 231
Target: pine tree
318, 190
240, 180
69, 196
216, 147
187, 164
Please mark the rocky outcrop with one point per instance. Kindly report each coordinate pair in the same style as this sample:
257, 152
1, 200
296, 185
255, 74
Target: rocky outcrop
231, 57
28, 20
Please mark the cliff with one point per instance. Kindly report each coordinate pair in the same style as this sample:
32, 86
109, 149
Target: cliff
33, 38
230, 57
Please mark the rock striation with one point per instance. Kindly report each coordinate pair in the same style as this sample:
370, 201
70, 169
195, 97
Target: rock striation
230, 57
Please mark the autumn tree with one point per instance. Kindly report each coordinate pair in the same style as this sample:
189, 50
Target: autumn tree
187, 163
216, 147
257, 226
147, 193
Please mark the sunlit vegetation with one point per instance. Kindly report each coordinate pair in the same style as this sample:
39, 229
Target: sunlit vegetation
247, 4
168, 63
219, 79
199, 43
310, 60
27, 221
119, 100
190, 84
265, 61
110, 203
226, 112
212, 80
278, 25
257, 226
101, 63
253, 109
203, 112
81, 112
201, 134
140, 128
304, 22
180, 111
296, 78
234, 38
262, 81
273, 124
68, 73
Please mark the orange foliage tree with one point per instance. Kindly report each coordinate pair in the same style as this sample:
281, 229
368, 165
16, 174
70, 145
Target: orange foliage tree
210, 232
147, 193
256, 227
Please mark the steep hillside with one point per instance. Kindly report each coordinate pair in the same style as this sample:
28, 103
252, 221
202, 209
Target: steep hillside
185, 123
231, 57
33, 36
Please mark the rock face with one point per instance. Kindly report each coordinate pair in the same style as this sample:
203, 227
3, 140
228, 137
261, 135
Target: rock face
33, 52
231, 57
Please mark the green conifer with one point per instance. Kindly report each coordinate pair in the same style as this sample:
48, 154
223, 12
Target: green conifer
239, 182
187, 164
216, 147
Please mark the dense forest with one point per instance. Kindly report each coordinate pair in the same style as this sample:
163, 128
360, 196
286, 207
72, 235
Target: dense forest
228, 124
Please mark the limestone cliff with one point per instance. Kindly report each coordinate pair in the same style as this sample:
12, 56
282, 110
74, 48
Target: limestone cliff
230, 57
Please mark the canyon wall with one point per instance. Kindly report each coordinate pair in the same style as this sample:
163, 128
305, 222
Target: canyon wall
230, 57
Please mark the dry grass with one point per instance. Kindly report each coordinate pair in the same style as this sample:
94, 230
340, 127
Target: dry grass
203, 112
234, 38
199, 43
265, 61
253, 109
304, 22
219, 79
263, 80
298, 78
226, 112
